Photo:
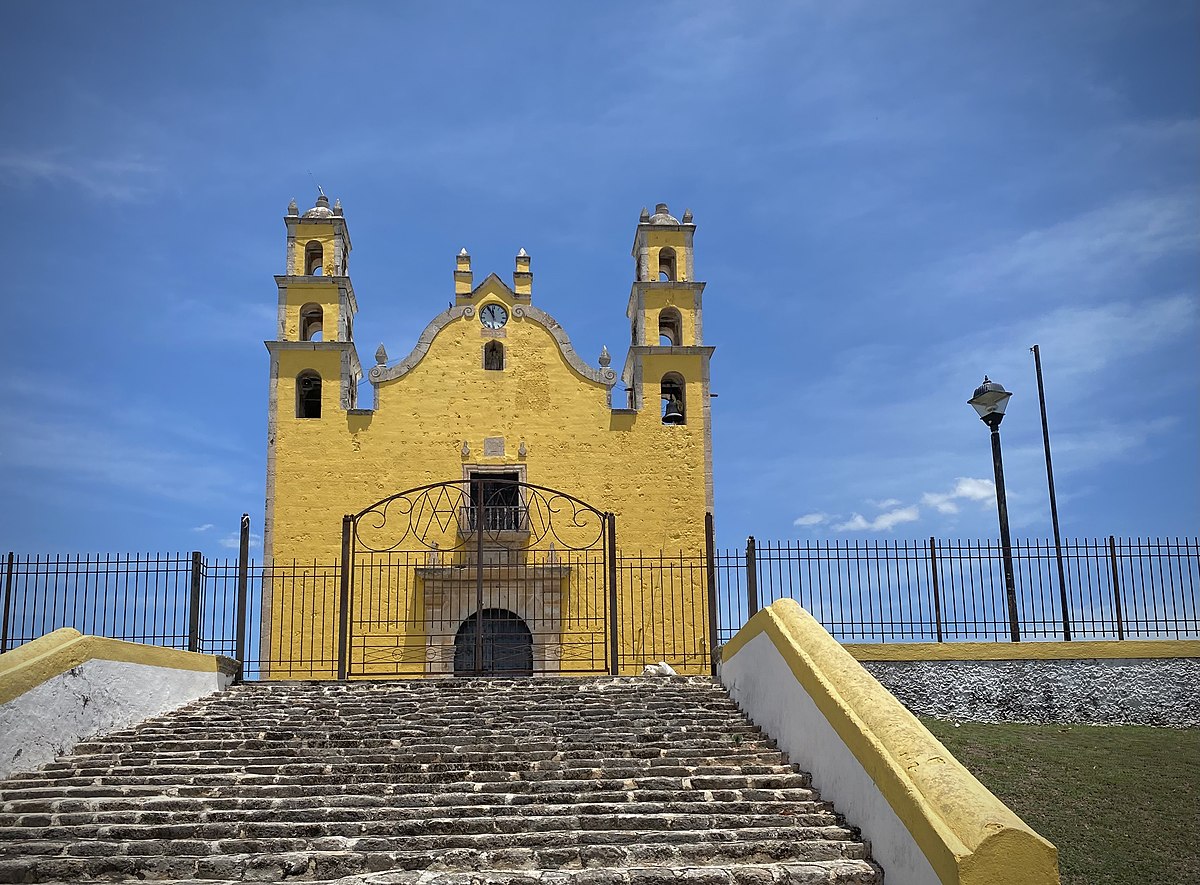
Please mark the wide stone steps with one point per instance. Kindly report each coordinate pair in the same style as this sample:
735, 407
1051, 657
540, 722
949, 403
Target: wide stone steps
438, 782
464, 818
223, 859
829, 872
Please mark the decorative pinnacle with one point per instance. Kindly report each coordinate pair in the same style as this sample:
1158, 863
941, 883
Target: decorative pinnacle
381, 355
645, 216
605, 359
463, 252
522, 254
337, 206
687, 216
293, 209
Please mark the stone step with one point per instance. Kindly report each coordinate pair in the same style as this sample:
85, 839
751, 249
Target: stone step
280, 826
412, 839
729, 753
397, 767
152, 799
250, 784
381, 809
838, 872
797, 807
714, 742
200, 859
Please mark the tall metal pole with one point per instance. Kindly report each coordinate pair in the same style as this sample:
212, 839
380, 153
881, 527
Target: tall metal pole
1058, 554
1010, 584
243, 578
343, 651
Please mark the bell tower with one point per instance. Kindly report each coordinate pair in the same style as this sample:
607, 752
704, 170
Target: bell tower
315, 369
667, 370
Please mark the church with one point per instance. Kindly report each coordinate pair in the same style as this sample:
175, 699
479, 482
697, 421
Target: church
488, 508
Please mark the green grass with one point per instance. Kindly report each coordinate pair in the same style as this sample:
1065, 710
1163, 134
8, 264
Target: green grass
1121, 804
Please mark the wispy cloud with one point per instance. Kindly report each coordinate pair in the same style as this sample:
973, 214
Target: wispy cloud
1101, 246
233, 541
203, 528
125, 179
965, 488
883, 523
810, 519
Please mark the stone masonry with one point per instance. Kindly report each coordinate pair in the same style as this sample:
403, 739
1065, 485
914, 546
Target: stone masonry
646, 781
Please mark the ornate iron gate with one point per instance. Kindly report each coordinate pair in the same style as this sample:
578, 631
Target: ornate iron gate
482, 576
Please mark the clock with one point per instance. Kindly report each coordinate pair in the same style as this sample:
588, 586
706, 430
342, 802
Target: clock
493, 316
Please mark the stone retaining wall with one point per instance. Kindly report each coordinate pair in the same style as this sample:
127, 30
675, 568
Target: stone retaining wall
1149, 691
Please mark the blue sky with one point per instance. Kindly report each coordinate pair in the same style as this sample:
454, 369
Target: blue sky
891, 200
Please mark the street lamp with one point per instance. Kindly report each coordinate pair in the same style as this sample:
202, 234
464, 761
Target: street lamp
990, 401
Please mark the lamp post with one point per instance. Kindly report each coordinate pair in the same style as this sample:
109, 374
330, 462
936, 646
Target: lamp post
990, 401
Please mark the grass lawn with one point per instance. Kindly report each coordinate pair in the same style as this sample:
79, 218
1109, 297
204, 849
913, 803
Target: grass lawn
1122, 804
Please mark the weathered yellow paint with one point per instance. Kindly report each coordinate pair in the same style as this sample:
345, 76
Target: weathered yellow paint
653, 477
968, 835
312, 290
1126, 649
31, 664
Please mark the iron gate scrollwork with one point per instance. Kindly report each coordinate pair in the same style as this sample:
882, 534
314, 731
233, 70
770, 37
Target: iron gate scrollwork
484, 576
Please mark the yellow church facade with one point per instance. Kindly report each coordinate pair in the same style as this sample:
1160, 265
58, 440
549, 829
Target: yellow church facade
495, 508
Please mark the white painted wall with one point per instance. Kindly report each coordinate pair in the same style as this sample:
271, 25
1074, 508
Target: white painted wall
95, 698
762, 684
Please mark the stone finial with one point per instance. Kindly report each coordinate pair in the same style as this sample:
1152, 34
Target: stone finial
522, 254
687, 216
463, 252
337, 206
605, 358
381, 355
645, 216
293, 209
466, 449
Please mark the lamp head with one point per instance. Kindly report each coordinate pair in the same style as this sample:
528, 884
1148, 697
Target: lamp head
990, 401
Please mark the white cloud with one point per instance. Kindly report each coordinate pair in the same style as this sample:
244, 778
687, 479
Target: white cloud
965, 488
811, 519
885, 504
203, 528
1094, 247
233, 541
124, 179
884, 522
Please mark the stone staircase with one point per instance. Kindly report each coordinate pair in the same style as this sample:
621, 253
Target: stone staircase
644, 781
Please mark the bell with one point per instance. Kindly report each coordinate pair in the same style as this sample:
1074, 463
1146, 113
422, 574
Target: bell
674, 412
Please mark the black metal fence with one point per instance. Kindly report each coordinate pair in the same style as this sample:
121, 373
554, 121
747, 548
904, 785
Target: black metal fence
674, 608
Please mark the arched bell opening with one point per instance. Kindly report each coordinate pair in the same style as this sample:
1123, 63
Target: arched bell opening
507, 648
311, 317
670, 327
314, 259
666, 265
308, 394
674, 409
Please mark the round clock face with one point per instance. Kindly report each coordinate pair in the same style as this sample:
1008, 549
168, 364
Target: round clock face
493, 316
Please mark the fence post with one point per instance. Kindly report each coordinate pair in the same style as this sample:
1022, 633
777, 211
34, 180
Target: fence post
344, 604
8, 582
751, 577
937, 593
194, 601
711, 557
243, 580
1116, 581
614, 641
